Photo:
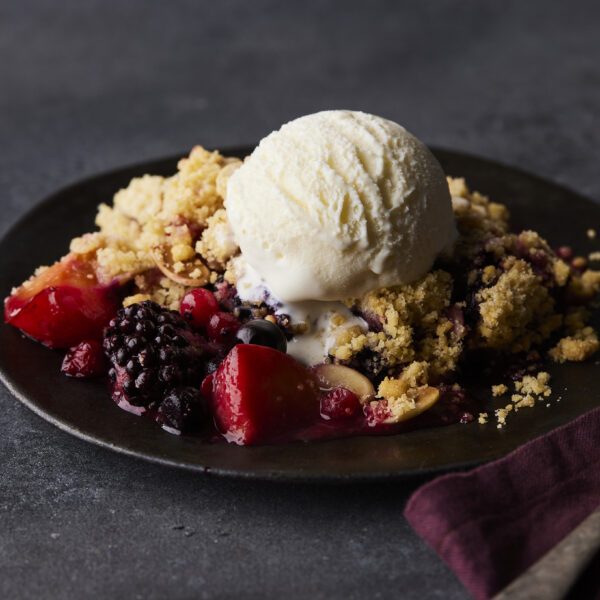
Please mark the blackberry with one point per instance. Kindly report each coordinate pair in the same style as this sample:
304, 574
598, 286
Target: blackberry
179, 408
152, 351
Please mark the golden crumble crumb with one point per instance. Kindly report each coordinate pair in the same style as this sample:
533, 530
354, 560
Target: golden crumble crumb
489, 274
498, 211
579, 262
561, 272
527, 390
338, 320
87, 243
401, 394
512, 305
217, 245
458, 187
501, 414
591, 233
413, 376
182, 252
178, 267
483, 418
585, 286
594, 256
192, 191
498, 390
521, 401
537, 385
135, 299
577, 347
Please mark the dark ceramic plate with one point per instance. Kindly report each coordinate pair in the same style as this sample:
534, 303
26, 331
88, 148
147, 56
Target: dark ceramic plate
84, 409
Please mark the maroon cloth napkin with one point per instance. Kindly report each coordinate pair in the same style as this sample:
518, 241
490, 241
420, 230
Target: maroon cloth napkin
490, 524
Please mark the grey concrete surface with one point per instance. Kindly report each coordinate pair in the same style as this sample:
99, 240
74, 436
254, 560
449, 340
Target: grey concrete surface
86, 86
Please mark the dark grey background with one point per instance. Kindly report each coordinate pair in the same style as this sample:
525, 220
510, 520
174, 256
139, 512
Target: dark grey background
86, 86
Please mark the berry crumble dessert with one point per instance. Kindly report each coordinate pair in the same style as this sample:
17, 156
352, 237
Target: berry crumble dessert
333, 283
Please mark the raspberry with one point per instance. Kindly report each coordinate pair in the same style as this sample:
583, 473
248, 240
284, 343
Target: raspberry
197, 307
85, 360
339, 403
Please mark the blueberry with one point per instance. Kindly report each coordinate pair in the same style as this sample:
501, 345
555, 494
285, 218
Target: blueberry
262, 333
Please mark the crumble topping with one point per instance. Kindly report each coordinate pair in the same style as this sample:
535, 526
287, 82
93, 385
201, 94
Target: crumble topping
508, 307
513, 281
175, 224
498, 291
413, 326
498, 390
528, 390
217, 244
398, 397
576, 347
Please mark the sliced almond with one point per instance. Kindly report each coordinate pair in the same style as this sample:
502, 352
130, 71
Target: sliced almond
425, 399
182, 278
332, 376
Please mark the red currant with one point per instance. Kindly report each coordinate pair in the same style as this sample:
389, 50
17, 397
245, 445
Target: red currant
198, 306
222, 327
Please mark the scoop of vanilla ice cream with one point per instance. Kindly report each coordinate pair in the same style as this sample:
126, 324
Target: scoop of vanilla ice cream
339, 203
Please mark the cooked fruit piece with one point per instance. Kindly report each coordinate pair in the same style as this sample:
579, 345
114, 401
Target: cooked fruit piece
262, 333
63, 305
334, 376
390, 410
260, 394
85, 360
